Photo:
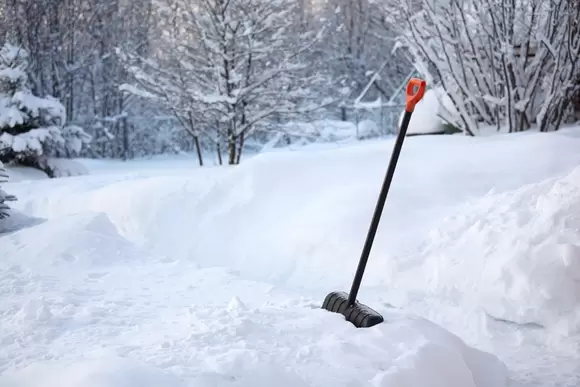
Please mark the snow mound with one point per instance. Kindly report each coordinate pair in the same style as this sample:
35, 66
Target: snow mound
516, 253
87, 239
237, 218
292, 231
287, 217
286, 346
153, 213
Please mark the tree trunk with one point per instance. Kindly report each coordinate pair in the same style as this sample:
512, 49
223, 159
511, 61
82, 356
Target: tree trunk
198, 150
125, 138
218, 146
240, 147
232, 150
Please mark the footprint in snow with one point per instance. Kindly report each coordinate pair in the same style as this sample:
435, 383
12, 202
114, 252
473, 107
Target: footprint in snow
97, 275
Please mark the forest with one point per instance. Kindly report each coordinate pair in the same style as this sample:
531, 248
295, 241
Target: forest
133, 78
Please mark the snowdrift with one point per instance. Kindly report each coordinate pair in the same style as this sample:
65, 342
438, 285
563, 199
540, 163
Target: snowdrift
286, 217
257, 349
278, 217
86, 239
281, 225
261, 349
94, 311
515, 253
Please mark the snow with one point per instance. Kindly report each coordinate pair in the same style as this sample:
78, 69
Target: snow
10, 116
18, 173
315, 132
515, 253
428, 112
158, 272
132, 89
75, 137
368, 129
28, 141
49, 108
62, 167
31, 126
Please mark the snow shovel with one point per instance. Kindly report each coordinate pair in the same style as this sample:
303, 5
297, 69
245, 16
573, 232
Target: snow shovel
360, 315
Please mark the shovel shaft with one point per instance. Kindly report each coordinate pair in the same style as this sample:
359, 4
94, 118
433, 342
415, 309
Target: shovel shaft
379, 207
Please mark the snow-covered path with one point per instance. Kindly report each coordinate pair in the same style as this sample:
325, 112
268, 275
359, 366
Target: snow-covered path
186, 277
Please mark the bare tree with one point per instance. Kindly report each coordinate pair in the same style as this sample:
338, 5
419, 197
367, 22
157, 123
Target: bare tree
502, 63
229, 67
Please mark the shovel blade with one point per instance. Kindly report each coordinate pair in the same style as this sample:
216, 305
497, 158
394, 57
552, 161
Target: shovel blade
360, 315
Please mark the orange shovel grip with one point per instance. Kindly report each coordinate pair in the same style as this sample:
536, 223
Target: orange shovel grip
413, 97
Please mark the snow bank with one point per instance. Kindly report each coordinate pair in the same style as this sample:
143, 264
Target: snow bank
276, 226
516, 253
286, 217
86, 240
243, 221
237, 218
84, 307
280, 345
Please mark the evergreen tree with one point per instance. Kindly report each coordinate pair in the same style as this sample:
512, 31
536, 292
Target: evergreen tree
4, 197
31, 127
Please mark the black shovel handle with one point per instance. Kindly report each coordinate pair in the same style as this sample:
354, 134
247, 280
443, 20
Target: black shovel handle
413, 97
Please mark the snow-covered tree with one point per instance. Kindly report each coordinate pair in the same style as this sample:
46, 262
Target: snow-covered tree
502, 63
227, 68
4, 197
31, 127
71, 46
360, 41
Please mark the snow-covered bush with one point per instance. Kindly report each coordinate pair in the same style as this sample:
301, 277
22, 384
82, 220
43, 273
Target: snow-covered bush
31, 127
502, 64
367, 129
428, 112
4, 197
298, 133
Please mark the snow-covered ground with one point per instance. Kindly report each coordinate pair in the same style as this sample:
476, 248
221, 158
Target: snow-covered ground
159, 273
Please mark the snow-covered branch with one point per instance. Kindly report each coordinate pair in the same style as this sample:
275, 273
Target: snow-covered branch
501, 63
229, 66
32, 128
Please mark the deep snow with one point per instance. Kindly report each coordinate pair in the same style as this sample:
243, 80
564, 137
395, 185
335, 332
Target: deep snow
160, 273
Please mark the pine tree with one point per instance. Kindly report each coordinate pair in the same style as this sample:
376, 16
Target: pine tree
4, 197
31, 128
